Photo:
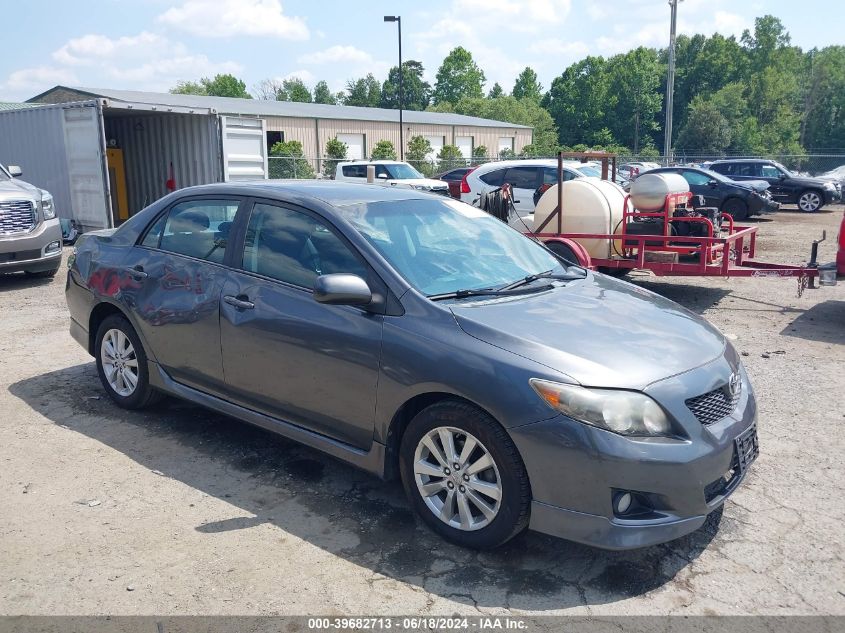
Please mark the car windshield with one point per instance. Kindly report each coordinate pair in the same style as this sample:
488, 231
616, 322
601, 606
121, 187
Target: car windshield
443, 246
589, 170
715, 176
401, 171
788, 173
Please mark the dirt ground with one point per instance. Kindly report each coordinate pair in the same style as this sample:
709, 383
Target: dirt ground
182, 511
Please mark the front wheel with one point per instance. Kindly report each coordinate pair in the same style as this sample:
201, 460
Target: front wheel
122, 364
464, 476
810, 201
735, 208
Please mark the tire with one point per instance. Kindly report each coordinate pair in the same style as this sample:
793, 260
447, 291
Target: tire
42, 274
735, 208
619, 273
810, 201
465, 523
118, 332
563, 251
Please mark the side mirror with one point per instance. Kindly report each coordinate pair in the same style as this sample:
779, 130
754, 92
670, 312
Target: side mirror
342, 289
782, 176
15, 170
712, 183
382, 176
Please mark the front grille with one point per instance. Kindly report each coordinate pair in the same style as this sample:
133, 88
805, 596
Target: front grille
714, 405
16, 216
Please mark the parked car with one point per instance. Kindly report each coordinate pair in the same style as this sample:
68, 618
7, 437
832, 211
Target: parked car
390, 172
631, 170
810, 194
30, 236
414, 335
524, 176
738, 199
455, 178
837, 176
840, 253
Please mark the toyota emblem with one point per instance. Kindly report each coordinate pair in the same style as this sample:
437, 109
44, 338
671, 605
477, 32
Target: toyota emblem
734, 384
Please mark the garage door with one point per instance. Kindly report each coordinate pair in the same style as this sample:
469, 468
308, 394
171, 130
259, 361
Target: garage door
505, 143
354, 145
436, 146
464, 144
244, 148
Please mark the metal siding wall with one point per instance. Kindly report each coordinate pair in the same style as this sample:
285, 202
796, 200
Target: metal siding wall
190, 141
34, 139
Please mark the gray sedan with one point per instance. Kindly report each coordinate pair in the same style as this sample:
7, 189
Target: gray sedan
415, 336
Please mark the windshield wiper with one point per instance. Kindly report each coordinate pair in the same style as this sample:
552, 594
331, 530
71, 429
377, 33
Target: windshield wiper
488, 292
545, 275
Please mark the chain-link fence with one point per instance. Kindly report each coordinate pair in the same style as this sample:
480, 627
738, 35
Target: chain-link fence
309, 167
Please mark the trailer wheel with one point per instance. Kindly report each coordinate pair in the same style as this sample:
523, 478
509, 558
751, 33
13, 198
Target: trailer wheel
619, 273
570, 251
735, 208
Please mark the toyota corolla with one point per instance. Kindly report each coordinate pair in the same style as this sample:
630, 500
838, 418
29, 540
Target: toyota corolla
415, 336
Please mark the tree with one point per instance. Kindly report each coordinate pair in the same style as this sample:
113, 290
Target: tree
450, 156
365, 92
579, 99
823, 125
322, 94
383, 150
634, 78
416, 92
288, 161
294, 89
527, 86
220, 86
479, 154
496, 91
457, 77
335, 152
706, 130
267, 89
419, 148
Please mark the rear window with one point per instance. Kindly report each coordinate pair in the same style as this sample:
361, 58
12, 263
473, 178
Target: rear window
522, 177
354, 171
494, 178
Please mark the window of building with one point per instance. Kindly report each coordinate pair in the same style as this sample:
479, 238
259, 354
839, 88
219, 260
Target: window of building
273, 137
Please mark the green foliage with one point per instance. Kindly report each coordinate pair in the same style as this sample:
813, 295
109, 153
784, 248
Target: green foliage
291, 162
527, 86
416, 92
450, 156
383, 150
496, 91
578, 100
293, 89
365, 92
824, 101
335, 152
221, 86
322, 94
419, 148
706, 130
479, 152
507, 154
458, 77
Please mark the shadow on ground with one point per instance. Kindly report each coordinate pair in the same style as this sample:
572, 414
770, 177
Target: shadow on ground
16, 281
824, 322
347, 512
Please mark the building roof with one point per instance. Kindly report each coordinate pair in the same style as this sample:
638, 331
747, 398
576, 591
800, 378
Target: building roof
8, 105
230, 105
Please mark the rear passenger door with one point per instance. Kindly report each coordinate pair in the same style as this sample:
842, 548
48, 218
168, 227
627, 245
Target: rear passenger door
285, 354
178, 271
524, 180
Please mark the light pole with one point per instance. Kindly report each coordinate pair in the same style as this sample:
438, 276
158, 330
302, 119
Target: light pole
398, 20
670, 85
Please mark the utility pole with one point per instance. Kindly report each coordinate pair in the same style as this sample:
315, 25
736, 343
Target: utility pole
670, 85
398, 20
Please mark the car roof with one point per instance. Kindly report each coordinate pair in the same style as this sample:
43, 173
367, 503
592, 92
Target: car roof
742, 160
364, 161
528, 162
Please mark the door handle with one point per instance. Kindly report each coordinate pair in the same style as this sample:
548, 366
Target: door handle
240, 304
136, 271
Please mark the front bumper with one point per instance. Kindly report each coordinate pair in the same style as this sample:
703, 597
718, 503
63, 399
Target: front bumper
28, 252
763, 204
575, 469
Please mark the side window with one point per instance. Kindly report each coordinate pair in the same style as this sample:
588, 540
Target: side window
153, 236
355, 171
728, 169
522, 177
196, 228
550, 175
747, 169
295, 247
769, 171
695, 178
381, 170
494, 178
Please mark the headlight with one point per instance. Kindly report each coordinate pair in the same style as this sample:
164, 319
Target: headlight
420, 187
830, 185
624, 412
47, 207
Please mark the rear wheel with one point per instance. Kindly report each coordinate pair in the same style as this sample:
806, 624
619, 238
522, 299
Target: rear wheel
735, 208
810, 201
122, 364
464, 476
564, 252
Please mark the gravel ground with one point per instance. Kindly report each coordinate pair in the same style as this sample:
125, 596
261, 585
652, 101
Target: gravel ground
182, 511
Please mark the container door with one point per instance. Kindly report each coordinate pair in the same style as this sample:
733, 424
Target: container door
244, 148
84, 152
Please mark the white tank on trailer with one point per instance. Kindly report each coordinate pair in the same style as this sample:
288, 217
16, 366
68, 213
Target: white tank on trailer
590, 205
649, 191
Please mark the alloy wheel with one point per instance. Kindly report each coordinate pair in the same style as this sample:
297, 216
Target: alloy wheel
809, 201
457, 478
120, 363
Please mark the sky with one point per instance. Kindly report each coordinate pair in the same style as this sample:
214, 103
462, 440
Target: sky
152, 44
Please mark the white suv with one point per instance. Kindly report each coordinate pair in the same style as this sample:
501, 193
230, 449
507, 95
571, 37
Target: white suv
390, 172
524, 176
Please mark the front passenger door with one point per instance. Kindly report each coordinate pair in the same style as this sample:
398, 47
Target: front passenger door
287, 355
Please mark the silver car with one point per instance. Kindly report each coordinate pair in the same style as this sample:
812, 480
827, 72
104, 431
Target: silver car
415, 336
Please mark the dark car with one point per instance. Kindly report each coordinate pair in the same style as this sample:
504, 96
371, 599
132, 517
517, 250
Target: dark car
414, 335
810, 194
739, 200
455, 178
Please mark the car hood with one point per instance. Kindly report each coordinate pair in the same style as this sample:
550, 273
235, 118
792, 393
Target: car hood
16, 188
599, 331
429, 183
807, 181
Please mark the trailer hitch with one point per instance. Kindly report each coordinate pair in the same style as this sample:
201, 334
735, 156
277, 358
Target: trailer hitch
814, 263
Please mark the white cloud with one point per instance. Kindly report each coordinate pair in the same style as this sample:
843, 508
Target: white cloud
730, 23
228, 18
336, 54
306, 76
554, 46
528, 15
23, 84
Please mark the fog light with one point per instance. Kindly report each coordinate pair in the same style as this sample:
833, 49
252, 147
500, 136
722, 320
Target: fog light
53, 246
622, 503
